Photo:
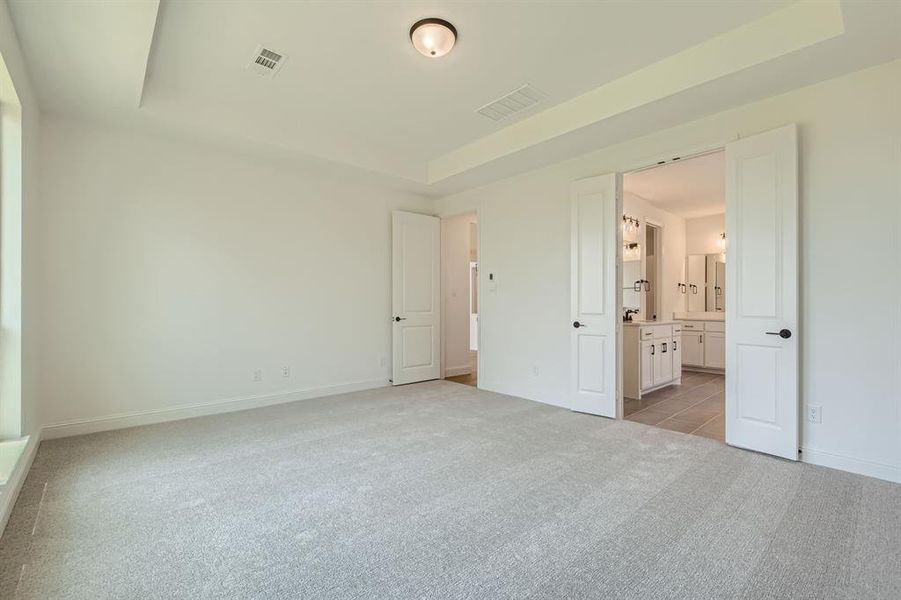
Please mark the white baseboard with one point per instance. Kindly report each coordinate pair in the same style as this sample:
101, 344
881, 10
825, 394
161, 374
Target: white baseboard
187, 411
853, 465
9, 491
455, 371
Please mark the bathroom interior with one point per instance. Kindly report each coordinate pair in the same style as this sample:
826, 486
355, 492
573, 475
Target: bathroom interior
674, 295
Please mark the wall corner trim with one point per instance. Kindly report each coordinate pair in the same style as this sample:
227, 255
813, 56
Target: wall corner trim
9, 492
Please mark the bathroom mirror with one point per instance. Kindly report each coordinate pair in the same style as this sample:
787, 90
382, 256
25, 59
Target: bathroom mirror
705, 286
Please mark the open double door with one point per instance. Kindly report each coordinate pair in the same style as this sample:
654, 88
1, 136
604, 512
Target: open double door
761, 308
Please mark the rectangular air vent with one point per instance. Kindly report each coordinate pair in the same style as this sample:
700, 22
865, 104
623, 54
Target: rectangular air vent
516, 101
266, 62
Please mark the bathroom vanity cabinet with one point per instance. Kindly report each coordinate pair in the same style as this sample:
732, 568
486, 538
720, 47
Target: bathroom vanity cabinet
704, 345
652, 356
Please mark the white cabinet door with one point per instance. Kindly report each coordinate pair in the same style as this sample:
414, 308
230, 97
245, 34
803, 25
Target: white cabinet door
648, 355
677, 357
416, 297
663, 365
762, 303
596, 301
715, 350
692, 348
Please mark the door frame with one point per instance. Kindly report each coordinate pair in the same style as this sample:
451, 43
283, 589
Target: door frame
665, 158
478, 213
658, 249
652, 162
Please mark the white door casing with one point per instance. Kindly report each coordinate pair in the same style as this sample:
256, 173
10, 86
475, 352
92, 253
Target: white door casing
415, 297
596, 299
762, 279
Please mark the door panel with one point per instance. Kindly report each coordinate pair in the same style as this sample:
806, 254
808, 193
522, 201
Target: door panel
762, 279
416, 299
595, 304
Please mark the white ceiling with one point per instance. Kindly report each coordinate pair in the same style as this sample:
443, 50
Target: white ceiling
689, 188
355, 97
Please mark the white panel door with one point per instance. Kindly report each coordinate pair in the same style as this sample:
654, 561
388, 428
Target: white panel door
415, 297
762, 304
596, 302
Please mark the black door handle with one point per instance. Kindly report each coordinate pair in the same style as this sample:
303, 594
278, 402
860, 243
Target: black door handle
783, 333
397, 319
576, 324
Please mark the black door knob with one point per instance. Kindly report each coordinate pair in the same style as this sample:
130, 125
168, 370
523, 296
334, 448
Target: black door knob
576, 324
398, 319
783, 333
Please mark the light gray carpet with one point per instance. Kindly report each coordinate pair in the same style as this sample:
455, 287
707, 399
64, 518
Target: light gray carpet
439, 490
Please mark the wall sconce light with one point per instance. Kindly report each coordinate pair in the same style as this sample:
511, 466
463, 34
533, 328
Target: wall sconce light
631, 251
722, 242
630, 224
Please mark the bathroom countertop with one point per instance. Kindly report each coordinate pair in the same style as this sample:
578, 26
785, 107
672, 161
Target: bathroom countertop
639, 323
711, 316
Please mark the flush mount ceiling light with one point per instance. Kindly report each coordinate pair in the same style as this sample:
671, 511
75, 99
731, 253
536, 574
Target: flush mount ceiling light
433, 37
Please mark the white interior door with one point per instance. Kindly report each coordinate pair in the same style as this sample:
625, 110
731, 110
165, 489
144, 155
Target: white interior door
596, 300
416, 297
762, 304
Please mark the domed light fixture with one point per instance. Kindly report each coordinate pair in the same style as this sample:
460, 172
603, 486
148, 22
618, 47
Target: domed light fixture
433, 37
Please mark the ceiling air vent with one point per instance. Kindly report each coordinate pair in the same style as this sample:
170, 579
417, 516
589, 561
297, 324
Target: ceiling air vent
266, 62
516, 101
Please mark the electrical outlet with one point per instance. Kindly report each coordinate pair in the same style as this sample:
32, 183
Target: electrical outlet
286, 371
536, 371
814, 413
257, 375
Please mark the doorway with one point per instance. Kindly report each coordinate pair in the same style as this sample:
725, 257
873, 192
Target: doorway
675, 374
728, 327
460, 273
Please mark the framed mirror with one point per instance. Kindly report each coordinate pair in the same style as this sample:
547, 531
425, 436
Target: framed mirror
705, 282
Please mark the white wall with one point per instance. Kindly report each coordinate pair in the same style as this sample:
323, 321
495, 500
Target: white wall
702, 235
173, 271
850, 178
673, 252
455, 269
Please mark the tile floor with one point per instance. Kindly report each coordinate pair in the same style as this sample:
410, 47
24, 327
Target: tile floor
697, 406
473, 377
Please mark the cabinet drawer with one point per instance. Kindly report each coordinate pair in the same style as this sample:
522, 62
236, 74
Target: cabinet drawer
693, 326
663, 331
719, 326
677, 329
647, 333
